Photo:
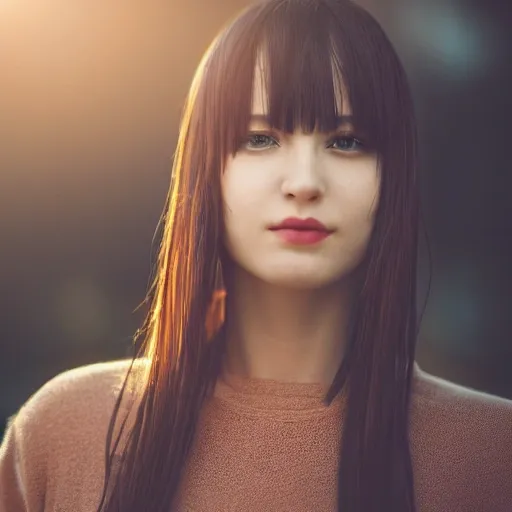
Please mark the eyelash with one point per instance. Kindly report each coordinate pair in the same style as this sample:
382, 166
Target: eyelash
358, 142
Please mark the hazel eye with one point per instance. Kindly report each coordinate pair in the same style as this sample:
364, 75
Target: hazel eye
259, 141
346, 143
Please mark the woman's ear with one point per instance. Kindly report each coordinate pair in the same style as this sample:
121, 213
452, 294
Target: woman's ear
216, 313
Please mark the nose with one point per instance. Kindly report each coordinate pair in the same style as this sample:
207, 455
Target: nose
303, 182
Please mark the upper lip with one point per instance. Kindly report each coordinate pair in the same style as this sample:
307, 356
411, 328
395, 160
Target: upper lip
310, 224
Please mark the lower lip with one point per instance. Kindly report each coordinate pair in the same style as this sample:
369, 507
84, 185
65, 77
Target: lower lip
301, 237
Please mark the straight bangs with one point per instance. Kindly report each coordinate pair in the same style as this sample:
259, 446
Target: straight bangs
318, 61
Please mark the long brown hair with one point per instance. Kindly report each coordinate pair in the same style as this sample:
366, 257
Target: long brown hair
313, 50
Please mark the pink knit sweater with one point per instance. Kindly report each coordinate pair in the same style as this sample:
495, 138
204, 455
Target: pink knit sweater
262, 446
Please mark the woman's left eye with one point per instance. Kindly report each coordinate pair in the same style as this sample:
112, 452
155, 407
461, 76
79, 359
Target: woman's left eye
346, 143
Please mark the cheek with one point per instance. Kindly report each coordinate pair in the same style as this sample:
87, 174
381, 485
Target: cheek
247, 185
357, 195
237, 201
368, 202
239, 195
234, 184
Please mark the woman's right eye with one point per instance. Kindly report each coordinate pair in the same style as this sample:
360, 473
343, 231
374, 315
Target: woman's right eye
259, 141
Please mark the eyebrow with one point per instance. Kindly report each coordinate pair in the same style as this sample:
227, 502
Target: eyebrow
265, 119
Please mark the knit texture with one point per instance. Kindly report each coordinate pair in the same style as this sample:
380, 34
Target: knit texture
261, 446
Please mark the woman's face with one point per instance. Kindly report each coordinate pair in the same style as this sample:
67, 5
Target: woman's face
324, 176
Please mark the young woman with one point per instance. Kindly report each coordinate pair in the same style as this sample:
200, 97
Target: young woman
277, 366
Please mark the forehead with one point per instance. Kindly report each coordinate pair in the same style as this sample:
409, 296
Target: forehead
260, 99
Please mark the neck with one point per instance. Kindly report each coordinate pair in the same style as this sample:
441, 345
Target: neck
286, 334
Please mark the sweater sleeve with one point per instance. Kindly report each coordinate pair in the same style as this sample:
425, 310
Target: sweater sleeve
23, 461
14, 463
52, 454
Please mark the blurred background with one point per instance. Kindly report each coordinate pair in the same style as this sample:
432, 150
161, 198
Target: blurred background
90, 97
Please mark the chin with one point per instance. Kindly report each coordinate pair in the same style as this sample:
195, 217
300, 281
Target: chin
288, 273
305, 280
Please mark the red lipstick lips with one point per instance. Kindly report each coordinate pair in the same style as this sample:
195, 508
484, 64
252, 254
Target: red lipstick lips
301, 231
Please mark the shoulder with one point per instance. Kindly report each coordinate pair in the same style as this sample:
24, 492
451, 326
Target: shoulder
461, 445
468, 413
74, 407
437, 393
54, 446
88, 388
77, 401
